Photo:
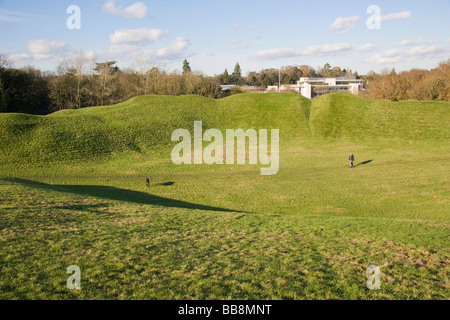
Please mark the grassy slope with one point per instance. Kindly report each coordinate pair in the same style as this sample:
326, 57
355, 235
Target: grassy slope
311, 231
139, 124
148, 121
344, 115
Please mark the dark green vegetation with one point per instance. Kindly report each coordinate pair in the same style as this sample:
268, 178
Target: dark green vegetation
73, 192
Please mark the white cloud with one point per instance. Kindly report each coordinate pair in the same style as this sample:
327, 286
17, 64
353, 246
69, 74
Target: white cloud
120, 49
138, 36
414, 53
327, 49
90, 55
19, 58
425, 50
177, 49
278, 53
133, 42
321, 50
367, 47
44, 49
137, 10
417, 42
343, 25
389, 56
396, 16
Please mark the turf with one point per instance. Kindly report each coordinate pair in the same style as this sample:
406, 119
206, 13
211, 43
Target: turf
73, 192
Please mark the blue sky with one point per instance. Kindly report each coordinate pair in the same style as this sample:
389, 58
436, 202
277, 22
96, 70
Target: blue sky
214, 35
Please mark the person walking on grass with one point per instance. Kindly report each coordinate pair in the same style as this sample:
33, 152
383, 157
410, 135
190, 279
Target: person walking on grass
351, 158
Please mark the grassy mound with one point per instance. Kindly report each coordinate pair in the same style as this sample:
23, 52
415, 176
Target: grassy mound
339, 115
148, 121
142, 123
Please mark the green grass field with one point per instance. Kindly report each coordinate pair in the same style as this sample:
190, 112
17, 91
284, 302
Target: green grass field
73, 192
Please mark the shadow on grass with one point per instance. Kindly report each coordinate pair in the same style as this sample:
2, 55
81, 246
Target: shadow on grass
166, 184
364, 162
112, 193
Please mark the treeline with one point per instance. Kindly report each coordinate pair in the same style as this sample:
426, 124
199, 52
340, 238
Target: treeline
108, 85
415, 84
25, 90
81, 82
286, 75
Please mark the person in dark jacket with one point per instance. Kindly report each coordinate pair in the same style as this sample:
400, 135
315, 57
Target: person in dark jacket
351, 158
148, 182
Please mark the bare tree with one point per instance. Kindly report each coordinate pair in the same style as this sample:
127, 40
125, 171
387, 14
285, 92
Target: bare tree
80, 65
5, 62
142, 66
106, 72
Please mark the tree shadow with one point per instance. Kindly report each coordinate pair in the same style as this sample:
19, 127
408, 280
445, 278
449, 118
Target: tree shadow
364, 162
112, 193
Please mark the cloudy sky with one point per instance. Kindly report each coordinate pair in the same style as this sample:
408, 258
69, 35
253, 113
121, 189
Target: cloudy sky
214, 34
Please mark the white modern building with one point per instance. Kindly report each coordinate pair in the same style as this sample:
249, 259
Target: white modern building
314, 87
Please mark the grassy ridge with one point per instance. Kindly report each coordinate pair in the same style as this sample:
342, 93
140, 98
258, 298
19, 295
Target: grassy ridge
342, 115
141, 123
148, 121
